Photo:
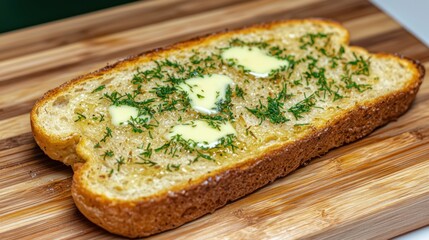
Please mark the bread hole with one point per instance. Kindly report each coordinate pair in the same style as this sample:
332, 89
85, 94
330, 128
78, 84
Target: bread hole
63, 119
107, 81
79, 89
61, 101
189, 212
271, 138
79, 110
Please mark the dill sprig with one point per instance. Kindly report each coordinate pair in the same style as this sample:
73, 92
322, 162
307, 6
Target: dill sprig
274, 108
214, 121
99, 119
148, 162
236, 42
177, 144
350, 84
128, 99
309, 39
147, 153
224, 106
80, 117
227, 142
173, 167
107, 153
164, 91
107, 133
137, 123
303, 106
120, 161
359, 65
99, 88
334, 57
239, 92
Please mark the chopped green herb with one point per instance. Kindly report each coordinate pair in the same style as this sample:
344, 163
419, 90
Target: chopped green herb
303, 106
101, 118
359, 65
350, 84
80, 117
111, 172
107, 153
177, 144
309, 39
236, 42
107, 133
120, 161
147, 153
273, 110
201, 155
164, 91
239, 92
173, 167
227, 142
147, 162
214, 121
99, 88
225, 105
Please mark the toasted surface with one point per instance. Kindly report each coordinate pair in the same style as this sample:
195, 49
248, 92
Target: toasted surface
328, 95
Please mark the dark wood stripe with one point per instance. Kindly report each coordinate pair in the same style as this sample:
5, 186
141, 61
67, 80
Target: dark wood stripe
399, 41
71, 223
30, 168
17, 109
13, 142
35, 195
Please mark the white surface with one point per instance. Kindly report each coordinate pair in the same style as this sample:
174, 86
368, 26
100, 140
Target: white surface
419, 234
413, 15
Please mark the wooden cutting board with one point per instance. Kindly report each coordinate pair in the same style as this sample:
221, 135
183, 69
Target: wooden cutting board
374, 188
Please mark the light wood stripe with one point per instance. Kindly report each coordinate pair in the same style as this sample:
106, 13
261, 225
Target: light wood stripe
385, 173
100, 23
15, 126
369, 26
20, 140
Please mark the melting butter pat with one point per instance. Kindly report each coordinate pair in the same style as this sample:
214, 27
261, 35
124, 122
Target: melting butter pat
202, 133
257, 61
204, 92
120, 115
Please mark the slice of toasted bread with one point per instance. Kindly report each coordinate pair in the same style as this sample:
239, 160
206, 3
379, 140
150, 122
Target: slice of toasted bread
138, 177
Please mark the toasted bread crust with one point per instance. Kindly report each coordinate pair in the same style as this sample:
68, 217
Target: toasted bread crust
147, 216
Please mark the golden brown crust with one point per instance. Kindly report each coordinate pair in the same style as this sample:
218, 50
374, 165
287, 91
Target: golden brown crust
148, 216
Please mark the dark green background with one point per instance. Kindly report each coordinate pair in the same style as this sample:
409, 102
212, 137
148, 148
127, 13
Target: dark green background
15, 14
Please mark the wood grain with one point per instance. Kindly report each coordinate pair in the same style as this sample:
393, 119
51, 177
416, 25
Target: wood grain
373, 188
